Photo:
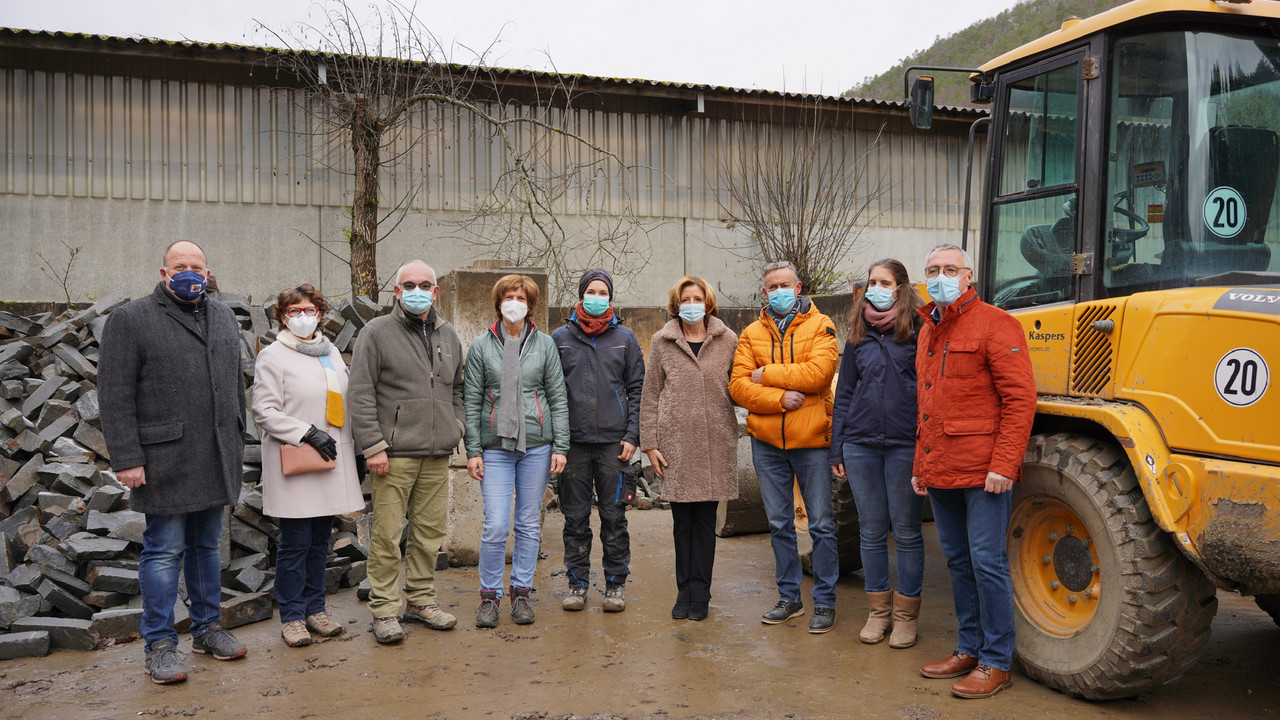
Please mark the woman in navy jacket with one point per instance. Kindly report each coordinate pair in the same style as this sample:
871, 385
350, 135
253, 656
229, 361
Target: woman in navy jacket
873, 444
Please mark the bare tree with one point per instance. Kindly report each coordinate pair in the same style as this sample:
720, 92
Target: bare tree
803, 189
373, 85
60, 271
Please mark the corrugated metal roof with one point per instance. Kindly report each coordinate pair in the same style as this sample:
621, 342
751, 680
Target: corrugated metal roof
533, 74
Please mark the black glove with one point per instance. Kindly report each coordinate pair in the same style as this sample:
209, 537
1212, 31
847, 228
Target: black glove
322, 442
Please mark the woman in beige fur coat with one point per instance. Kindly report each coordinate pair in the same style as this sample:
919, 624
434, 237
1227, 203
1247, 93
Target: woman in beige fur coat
689, 432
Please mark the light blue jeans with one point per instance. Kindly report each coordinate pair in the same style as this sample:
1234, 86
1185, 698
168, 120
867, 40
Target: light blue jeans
524, 475
776, 468
880, 478
187, 542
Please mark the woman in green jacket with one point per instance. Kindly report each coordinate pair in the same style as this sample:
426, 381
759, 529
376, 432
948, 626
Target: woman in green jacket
517, 434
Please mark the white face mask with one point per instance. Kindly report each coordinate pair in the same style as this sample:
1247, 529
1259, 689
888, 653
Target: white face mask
303, 325
514, 310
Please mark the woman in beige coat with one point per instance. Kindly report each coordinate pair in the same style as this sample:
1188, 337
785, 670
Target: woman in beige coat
689, 432
299, 394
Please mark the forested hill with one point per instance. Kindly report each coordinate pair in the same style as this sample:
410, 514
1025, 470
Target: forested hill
978, 43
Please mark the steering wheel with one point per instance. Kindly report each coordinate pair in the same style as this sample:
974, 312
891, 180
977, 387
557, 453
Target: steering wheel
1128, 235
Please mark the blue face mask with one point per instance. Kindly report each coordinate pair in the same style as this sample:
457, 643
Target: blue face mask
693, 312
187, 285
882, 298
416, 301
782, 300
595, 305
944, 290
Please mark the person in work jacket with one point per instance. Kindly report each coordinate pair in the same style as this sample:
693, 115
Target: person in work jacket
517, 435
406, 414
977, 401
782, 374
604, 375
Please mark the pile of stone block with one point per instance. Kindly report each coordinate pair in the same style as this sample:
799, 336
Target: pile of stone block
69, 544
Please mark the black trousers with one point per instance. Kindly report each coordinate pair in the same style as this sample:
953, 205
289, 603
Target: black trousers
594, 469
693, 525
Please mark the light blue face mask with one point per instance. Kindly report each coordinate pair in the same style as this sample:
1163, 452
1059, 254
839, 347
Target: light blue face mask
782, 300
693, 312
944, 290
416, 301
595, 305
881, 298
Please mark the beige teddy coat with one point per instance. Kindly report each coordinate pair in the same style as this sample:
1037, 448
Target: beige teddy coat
687, 415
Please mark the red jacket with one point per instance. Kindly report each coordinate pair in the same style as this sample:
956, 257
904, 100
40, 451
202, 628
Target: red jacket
977, 395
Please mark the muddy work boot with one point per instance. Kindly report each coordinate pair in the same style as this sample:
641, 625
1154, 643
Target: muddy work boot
521, 610
323, 624
576, 599
295, 633
487, 613
431, 616
219, 643
386, 630
164, 662
614, 600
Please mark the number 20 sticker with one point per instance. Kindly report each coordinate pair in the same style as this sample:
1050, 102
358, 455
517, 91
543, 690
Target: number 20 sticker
1225, 212
1241, 377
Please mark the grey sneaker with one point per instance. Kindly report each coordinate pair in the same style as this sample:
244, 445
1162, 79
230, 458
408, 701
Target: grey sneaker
386, 630
431, 616
487, 613
164, 663
782, 612
824, 618
614, 600
576, 599
219, 643
521, 610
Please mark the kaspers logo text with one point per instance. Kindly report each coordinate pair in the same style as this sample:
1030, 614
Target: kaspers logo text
1033, 335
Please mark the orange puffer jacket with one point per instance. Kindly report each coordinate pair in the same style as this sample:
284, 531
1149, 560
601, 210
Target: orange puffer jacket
977, 395
803, 360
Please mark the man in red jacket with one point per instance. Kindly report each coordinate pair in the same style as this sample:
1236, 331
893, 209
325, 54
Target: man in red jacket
977, 396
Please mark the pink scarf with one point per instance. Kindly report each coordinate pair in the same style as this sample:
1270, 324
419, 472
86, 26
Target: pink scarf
881, 320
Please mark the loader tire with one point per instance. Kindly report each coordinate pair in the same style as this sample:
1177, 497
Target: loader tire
848, 541
1107, 606
1270, 604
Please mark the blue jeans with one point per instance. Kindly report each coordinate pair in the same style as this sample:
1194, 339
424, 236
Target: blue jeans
300, 561
775, 469
880, 478
972, 524
525, 474
191, 539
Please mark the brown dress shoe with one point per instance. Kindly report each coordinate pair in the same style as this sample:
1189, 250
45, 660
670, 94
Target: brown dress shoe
983, 682
956, 664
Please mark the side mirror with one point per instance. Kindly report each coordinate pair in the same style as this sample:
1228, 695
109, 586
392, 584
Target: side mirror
920, 105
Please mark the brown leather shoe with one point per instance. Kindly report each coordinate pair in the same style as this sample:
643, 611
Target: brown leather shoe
983, 682
956, 664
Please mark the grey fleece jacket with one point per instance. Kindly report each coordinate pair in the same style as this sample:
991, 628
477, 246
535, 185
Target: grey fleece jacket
406, 386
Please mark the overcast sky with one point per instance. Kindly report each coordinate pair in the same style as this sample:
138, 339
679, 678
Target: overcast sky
816, 46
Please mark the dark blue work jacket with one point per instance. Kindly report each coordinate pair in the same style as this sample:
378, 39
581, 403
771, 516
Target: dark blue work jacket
876, 394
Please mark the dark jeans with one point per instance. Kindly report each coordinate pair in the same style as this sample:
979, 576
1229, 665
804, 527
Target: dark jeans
189, 541
594, 468
972, 524
300, 560
880, 478
693, 525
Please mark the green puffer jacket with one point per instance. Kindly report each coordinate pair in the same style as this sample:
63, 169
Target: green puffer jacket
546, 403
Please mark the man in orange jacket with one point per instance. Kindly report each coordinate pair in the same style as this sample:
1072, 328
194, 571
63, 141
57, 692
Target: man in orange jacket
977, 400
782, 375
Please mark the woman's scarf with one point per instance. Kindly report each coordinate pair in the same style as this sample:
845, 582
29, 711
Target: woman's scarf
592, 325
881, 320
509, 421
318, 346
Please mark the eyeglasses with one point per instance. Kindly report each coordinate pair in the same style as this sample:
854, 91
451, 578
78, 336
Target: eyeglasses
950, 271
411, 285
299, 312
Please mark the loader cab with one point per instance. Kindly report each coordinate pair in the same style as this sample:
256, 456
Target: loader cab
1134, 159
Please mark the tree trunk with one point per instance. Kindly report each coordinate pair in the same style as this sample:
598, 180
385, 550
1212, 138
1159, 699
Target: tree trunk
365, 144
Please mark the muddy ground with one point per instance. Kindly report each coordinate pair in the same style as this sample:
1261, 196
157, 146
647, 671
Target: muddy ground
638, 664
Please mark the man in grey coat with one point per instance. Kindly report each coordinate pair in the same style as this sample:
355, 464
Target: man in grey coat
173, 413
407, 416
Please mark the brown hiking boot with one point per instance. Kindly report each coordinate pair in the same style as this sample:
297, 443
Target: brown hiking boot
295, 633
387, 630
431, 616
323, 624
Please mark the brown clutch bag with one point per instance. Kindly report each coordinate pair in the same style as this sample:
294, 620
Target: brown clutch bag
300, 459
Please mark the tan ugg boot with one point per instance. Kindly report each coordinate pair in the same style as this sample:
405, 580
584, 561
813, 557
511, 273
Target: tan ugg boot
906, 612
880, 618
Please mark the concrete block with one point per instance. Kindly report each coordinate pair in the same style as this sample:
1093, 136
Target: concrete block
356, 574
58, 427
9, 526
83, 548
347, 545
260, 561
51, 503
15, 605
249, 579
181, 615
67, 581
64, 601
114, 580
87, 406
105, 499
333, 576
60, 527
257, 520
131, 529
49, 557
104, 599
36, 400
248, 537
25, 577
363, 590
30, 442
76, 362
66, 449
24, 644
250, 608
68, 633
117, 624
21, 481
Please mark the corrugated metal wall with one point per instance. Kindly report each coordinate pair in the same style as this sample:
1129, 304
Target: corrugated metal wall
94, 136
